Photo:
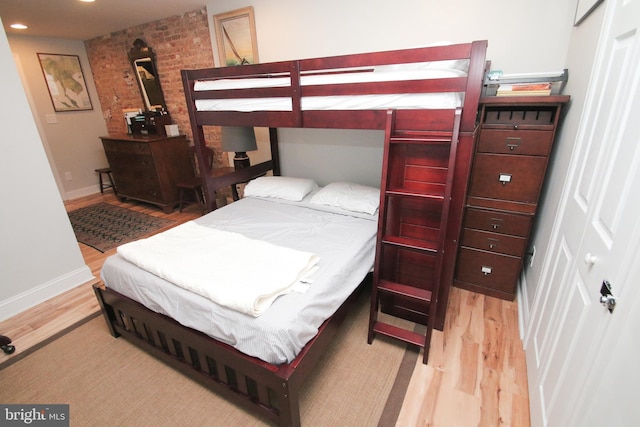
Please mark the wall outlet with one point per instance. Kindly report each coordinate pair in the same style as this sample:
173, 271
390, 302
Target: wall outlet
67, 176
533, 256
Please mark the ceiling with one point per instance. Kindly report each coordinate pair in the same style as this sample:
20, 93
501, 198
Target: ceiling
76, 20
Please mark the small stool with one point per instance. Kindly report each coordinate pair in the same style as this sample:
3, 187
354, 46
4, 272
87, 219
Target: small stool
104, 185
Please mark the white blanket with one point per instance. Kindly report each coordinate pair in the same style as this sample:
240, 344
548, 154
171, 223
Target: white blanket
244, 274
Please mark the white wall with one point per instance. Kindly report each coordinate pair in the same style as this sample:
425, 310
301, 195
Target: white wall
71, 143
523, 36
579, 61
39, 255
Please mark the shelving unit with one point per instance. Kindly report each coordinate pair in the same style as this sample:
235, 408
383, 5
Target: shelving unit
417, 180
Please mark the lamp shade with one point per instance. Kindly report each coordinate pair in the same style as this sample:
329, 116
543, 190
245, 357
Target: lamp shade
238, 139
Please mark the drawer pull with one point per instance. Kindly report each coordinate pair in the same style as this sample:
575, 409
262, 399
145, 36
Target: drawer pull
513, 142
496, 223
486, 270
504, 178
492, 243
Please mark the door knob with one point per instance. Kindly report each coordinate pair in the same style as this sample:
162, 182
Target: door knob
606, 296
590, 259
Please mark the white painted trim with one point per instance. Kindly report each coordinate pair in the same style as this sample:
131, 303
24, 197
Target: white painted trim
82, 192
38, 294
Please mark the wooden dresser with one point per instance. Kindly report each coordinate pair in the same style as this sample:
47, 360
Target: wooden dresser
515, 139
147, 167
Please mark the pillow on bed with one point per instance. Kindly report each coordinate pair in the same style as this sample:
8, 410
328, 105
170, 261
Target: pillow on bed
280, 187
349, 196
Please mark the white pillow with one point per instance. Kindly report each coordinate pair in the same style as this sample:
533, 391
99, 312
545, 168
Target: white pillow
349, 196
280, 187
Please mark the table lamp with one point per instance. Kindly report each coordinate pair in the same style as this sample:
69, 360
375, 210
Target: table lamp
239, 140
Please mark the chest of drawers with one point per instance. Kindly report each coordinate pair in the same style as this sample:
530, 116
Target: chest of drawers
147, 167
515, 140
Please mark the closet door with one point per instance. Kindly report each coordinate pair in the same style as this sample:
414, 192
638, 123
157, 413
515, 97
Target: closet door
574, 344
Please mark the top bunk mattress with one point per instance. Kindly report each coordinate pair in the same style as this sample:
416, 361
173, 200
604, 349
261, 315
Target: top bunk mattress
379, 74
345, 243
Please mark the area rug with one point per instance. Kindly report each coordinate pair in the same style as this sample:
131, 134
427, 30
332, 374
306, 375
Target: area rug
108, 381
104, 226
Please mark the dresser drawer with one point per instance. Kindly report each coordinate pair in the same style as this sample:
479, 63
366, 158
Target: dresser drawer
498, 222
494, 242
510, 141
505, 177
488, 270
127, 147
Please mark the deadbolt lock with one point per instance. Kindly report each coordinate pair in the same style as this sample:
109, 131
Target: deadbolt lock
606, 297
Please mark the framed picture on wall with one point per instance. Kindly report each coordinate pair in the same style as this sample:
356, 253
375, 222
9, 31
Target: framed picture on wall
65, 81
236, 37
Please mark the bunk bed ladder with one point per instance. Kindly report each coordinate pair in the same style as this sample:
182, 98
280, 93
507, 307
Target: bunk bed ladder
417, 178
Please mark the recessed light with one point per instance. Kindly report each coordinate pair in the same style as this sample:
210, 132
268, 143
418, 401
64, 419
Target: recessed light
87, 1
19, 26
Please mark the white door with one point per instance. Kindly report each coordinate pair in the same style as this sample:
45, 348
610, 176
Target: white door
595, 239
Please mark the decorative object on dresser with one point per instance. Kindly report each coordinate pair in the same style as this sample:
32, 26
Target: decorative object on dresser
148, 167
514, 143
143, 62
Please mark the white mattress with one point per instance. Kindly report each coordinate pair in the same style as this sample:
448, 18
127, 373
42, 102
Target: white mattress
443, 100
344, 242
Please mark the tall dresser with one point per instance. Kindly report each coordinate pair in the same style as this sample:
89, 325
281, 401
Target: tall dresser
515, 140
147, 167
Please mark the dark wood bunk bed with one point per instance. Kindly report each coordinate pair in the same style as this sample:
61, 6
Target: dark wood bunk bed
268, 389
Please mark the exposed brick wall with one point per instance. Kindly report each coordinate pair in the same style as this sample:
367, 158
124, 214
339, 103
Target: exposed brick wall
179, 42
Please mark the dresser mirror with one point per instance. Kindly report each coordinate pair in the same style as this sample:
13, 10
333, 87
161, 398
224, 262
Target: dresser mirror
144, 66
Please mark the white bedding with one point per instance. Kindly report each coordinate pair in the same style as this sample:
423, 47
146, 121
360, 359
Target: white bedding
181, 256
345, 244
443, 100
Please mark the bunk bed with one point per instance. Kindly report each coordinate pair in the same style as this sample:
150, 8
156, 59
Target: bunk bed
347, 92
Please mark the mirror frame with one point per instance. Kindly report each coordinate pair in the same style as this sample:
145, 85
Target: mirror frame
139, 51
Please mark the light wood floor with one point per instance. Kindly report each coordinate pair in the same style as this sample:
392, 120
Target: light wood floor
476, 374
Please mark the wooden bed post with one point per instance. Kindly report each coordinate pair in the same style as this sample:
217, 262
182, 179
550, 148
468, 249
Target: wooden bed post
275, 151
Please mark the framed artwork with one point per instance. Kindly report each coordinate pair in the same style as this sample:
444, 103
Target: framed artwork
236, 37
65, 81
583, 9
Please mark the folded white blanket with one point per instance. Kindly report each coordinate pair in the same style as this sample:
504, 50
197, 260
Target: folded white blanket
230, 269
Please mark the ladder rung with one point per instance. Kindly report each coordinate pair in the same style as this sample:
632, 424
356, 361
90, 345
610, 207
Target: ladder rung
399, 333
430, 196
429, 247
412, 292
433, 137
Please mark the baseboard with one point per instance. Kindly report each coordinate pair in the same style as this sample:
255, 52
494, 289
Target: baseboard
523, 305
40, 293
81, 192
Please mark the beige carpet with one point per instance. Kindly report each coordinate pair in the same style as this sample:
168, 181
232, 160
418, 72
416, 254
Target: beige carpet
107, 381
